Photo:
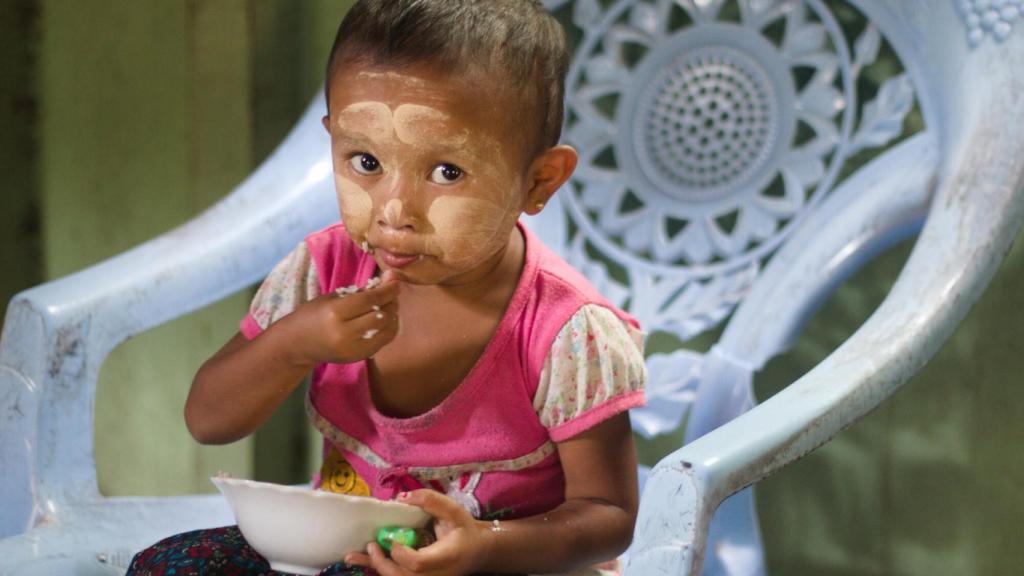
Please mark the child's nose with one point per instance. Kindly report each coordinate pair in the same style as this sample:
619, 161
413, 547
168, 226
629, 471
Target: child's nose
397, 214
399, 210
394, 215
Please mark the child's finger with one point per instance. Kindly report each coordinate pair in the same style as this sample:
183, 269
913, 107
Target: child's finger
389, 307
357, 559
423, 560
378, 326
381, 563
434, 503
353, 305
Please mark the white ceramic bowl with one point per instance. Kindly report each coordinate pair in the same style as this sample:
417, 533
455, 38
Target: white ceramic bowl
301, 530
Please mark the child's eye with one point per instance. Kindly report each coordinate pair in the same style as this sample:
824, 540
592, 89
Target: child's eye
364, 164
446, 174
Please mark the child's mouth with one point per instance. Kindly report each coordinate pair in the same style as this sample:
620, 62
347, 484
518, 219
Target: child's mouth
395, 260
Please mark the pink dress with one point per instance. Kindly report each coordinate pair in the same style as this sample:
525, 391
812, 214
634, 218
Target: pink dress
561, 360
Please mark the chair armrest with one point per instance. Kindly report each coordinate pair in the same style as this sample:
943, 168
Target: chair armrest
119, 526
57, 335
879, 205
228, 247
883, 203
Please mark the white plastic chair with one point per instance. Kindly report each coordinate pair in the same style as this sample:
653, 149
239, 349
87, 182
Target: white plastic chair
715, 140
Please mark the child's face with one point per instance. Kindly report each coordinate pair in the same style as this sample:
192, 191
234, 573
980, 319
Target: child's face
430, 172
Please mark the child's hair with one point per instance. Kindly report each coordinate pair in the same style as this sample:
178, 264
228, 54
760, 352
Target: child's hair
516, 39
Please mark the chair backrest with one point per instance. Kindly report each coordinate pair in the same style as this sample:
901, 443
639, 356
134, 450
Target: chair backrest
955, 66
708, 133
735, 159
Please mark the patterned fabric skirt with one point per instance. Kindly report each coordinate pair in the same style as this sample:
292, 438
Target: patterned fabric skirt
215, 552
224, 552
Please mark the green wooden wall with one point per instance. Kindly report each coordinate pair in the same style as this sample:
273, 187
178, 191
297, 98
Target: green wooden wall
20, 257
146, 121
152, 111
122, 120
930, 482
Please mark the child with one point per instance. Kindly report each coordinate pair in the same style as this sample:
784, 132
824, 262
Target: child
479, 377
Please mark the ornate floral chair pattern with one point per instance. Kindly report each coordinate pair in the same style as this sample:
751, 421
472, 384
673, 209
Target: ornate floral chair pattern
733, 167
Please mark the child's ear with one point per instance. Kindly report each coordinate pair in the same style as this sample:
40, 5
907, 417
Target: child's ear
326, 121
547, 174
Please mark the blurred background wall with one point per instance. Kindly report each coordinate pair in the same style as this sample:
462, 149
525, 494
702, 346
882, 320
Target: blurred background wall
120, 120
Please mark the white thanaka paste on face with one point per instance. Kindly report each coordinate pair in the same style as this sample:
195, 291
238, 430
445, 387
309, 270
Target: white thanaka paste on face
356, 207
393, 213
464, 230
422, 126
461, 245
468, 229
367, 118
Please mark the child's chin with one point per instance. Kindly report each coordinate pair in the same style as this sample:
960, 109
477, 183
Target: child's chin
428, 276
415, 276
434, 271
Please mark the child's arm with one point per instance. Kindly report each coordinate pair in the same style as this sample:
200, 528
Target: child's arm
595, 523
237, 390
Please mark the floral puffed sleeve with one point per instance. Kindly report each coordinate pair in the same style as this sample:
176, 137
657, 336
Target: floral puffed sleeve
292, 282
595, 370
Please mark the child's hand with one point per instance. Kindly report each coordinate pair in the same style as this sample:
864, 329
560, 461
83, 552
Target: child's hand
461, 542
344, 328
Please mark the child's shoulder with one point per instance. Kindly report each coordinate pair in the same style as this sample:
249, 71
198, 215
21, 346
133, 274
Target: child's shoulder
561, 293
557, 279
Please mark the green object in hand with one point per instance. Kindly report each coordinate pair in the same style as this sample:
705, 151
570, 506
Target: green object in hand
386, 537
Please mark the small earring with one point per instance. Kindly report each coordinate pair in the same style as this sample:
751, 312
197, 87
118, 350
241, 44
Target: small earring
539, 205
